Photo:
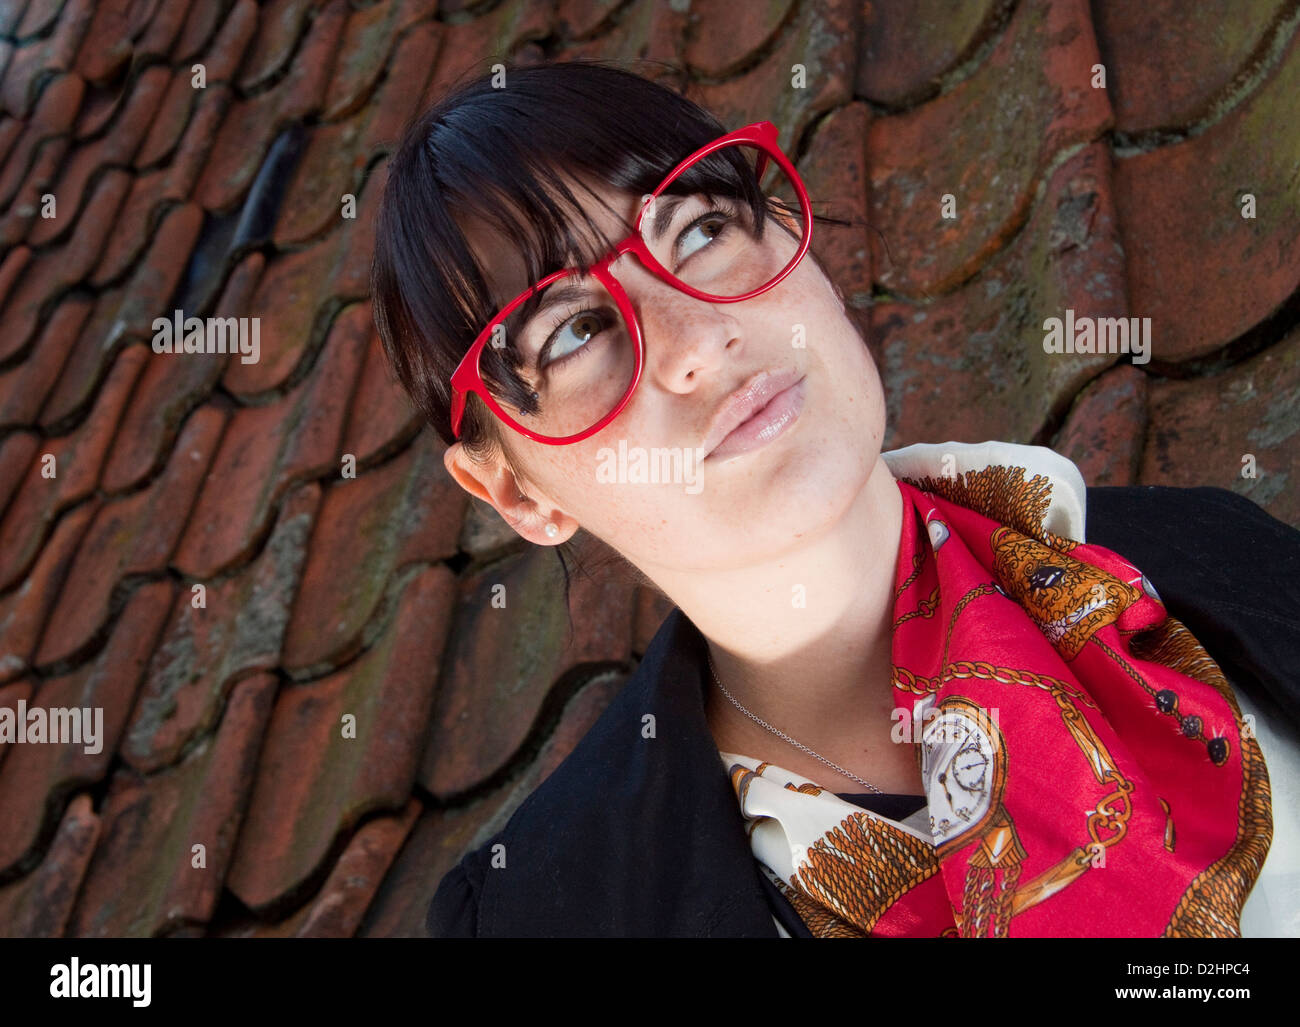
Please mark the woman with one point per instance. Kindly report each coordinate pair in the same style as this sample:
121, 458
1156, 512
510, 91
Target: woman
898, 693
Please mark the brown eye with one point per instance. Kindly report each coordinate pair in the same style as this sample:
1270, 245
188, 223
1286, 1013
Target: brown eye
572, 335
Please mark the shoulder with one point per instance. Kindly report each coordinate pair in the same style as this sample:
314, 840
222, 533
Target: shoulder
562, 813
588, 851
635, 834
1222, 565
1225, 543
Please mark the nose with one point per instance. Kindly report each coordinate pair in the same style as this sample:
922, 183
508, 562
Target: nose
687, 340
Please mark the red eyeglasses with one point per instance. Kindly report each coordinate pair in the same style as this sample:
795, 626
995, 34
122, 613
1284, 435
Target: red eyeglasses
579, 392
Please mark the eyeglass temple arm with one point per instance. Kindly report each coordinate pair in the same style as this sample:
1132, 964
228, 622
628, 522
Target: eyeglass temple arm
457, 410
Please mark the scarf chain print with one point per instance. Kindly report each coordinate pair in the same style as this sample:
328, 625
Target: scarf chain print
1086, 764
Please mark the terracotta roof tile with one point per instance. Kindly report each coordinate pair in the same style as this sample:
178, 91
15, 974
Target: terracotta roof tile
280, 25
24, 387
435, 844
1172, 61
126, 312
64, 472
986, 338
500, 667
53, 117
721, 44
128, 537
205, 648
268, 447
231, 43
10, 128
1186, 238
38, 18
56, 268
481, 41
1106, 427
88, 357
38, 778
11, 269
364, 49
1252, 408
169, 389
24, 610
162, 30
356, 240
10, 695
23, 211
405, 511
383, 418
581, 19
404, 83
193, 153
135, 225
822, 41
342, 746
38, 905
34, 59
99, 107
336, 910
988, 143
251, 124
168, 123
289, 298
201, 24
56, 110
834, 171
644, 29
16, 452
143, 879
330, 165
909, 45
93, 223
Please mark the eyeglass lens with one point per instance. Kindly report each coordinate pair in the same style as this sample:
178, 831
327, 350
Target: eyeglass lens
716, 228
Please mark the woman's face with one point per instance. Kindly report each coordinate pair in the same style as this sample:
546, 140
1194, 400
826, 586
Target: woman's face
738, 505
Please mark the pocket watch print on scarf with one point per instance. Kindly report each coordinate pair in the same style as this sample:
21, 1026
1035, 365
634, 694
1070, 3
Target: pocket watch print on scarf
1086, 766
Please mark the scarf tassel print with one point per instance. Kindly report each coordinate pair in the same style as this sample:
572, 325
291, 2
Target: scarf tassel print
1086, 765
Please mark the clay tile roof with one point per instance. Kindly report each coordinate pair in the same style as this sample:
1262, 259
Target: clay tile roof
263, 573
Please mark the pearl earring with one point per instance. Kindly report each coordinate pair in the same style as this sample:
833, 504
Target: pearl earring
551, 529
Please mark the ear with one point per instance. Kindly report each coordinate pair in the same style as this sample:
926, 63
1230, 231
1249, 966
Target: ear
497, 486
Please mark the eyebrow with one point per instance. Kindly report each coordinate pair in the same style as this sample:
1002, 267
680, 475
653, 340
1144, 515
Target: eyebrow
569, 290
664, 213
565, 291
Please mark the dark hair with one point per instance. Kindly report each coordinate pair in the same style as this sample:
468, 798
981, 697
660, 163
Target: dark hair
498, 154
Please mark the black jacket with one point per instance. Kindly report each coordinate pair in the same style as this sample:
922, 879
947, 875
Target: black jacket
643, 837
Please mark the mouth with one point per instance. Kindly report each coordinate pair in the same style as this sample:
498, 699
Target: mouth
761, 410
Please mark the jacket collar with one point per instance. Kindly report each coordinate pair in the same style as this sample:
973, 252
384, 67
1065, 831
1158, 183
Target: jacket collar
638, 832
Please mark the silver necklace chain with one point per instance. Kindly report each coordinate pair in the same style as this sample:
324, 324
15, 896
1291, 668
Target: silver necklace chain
782, 734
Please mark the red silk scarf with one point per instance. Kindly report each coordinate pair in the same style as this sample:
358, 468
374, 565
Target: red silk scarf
1087, 768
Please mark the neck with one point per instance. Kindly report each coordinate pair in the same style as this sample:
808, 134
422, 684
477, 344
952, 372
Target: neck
804, 641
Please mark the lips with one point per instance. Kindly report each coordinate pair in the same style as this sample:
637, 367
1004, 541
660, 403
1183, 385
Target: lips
745, 402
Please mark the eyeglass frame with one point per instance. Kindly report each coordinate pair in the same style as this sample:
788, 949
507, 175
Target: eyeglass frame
467, 377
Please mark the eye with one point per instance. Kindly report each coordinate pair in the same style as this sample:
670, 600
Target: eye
572, 332
702, 231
